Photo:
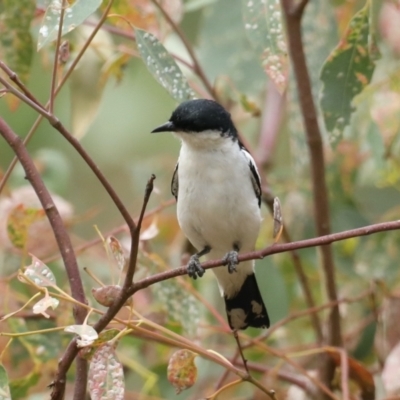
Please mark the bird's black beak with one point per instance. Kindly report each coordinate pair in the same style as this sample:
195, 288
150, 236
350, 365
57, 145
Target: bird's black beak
167, 127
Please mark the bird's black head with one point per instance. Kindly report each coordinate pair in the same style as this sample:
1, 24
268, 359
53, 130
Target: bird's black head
198, 116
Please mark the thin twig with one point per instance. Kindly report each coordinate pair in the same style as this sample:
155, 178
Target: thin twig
236, 336
308, 311
136, 235
56, 55
14, 77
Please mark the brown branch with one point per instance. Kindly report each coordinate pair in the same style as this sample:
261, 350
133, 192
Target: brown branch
136, 236
60, 233
320, 193
274, 249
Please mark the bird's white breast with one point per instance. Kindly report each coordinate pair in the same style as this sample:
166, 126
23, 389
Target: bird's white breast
217, 205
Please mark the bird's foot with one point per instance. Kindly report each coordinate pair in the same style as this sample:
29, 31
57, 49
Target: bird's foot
194, 268
231, 258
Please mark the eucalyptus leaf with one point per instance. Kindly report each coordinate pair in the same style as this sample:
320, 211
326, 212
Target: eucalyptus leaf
74, 16
162, 66
346, 72
264, 28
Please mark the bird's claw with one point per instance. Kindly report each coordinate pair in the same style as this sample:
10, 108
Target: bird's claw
194, 268
231, 258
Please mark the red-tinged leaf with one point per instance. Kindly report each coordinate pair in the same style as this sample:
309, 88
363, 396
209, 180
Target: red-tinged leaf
117, 251
106, 295
359, 374
143, 14
106, 375
346, 72
182, 371
18, 222
264, 28
16, 45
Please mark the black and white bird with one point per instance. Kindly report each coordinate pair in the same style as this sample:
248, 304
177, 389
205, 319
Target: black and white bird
217, 188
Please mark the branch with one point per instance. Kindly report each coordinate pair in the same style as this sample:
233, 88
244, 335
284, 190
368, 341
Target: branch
136, 236
274, 249
320, 193
60, 233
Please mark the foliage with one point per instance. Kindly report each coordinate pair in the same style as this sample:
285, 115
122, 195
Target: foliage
146, 56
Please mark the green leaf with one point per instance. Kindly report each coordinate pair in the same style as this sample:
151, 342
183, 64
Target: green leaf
4, 388
74, 16
16, 45
19, 387
162, 66
346, 72
264, 28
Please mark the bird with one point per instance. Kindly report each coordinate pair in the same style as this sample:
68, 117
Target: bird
218, 191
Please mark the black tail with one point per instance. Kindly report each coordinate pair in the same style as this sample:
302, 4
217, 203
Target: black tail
247, 307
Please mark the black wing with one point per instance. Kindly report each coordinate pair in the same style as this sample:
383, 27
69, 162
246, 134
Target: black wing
175, 183
255, 177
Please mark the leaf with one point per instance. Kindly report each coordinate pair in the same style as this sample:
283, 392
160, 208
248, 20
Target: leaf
180, 305
4, 387
144, 15
15, 40
264, 28
74, 15
40, 273
182, 371
117, 251
19, 220
106, 375
151, 232
162, 66
88, 81
346, 72
105, 336
19, 387
106, 295
87, 334
42, 305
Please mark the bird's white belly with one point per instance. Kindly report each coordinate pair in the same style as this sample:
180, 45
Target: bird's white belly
217, 205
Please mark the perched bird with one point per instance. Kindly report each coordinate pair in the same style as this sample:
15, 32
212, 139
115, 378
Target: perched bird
217, 188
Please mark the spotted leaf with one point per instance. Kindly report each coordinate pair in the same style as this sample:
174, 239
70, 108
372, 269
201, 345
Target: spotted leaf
162, 66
